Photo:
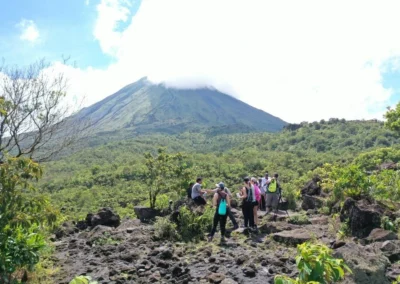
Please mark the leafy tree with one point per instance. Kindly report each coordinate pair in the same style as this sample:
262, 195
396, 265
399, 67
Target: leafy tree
23, 214
393, 118
165, 173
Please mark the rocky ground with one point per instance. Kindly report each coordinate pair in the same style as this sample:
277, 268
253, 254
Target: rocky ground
127, 252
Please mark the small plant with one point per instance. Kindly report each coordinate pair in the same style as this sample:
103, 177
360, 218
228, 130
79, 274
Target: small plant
316, 265
82, 280
344, 230
325, 210
165, 229
106, 239
192, 226
299, 220
387, 224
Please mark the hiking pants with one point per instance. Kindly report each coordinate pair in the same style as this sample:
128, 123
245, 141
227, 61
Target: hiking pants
247, 209
221, 219
262, 202
230, 214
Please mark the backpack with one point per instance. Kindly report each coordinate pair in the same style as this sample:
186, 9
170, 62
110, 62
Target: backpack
222, 205
273, 185
249, 195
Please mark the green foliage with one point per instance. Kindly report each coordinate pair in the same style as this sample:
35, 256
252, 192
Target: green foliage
344, 230
164, 229
388, 224
350, 181
316, 265
165, 173
325, 210
23, 216
192, 225
299, 220
393, 119
105, 239
82, 280
370, 160
113, 171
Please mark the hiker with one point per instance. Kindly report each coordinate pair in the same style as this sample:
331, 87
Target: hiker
189, 190
246, 195
272, 194
264, 184
257, 194
222, 202
197, 192
221, 186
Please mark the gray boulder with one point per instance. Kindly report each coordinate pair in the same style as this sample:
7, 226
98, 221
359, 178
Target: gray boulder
367, 263
363, 216
311, 202
146, 214
105, 217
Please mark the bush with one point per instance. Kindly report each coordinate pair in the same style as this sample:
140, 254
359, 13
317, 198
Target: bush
316, 265
299, 220
325, 210
82, 280
165, 229
192, 226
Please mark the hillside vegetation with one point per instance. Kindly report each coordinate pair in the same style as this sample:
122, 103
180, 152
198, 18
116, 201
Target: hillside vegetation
114, 174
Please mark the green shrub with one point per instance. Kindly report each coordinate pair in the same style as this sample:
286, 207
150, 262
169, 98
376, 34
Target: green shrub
325, 210
388, 224
316, 265
344, 230
82, 280
192, 226
299, 220
165, 229
105, 239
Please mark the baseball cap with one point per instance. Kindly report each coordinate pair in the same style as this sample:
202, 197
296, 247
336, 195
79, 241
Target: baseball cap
220, 185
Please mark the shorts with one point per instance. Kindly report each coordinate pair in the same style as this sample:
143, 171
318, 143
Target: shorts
199, 200
272, 200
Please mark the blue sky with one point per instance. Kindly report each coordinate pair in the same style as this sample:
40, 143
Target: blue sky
291, 58
65, 29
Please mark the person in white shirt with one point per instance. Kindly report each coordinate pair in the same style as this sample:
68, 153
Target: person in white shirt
264, 186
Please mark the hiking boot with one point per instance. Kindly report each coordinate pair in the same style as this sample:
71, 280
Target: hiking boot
235, 227
223, 241
210, 238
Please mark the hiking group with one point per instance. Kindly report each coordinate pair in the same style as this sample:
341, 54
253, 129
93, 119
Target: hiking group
255, 194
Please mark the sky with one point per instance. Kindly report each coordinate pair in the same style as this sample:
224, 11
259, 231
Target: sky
299, 60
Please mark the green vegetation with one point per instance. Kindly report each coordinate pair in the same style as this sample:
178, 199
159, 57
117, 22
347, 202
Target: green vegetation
299, 220
23, 215
166, 173
193, 225
116, 174
316, 265
82, 280
164, 229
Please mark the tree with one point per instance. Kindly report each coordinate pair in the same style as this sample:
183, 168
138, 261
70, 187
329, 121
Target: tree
392, 117
23, 216
165, 172
33, 112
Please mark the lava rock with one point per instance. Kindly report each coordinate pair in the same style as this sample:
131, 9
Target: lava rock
105, 217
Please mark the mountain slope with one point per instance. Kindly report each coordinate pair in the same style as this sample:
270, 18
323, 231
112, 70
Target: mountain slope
146, 107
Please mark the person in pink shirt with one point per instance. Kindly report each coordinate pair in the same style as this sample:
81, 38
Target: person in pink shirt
257, 193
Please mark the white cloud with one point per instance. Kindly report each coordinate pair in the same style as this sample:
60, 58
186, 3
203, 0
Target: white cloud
299, 60
29, 30
110, 14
